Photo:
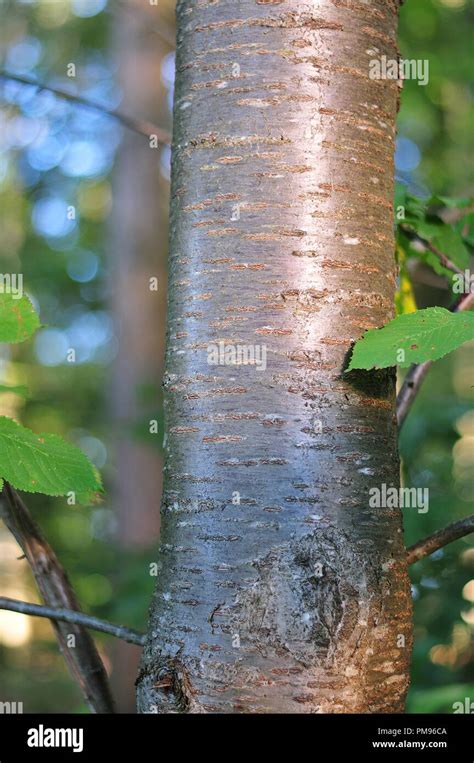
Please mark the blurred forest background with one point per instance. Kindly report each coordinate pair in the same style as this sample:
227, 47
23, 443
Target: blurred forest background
83, 215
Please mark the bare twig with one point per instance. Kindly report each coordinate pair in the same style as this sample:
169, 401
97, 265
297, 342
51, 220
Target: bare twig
139, 126
71, 616
443, 258
83, 659
441, 538
409, 389
417, 372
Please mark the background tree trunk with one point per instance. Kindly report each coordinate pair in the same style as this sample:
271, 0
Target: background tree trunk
280, 589
136, 254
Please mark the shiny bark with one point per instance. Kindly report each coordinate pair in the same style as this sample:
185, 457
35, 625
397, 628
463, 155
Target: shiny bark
280, 589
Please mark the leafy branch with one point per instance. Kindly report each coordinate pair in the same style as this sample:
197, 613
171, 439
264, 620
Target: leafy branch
39, 463
47, 464
412, 235
417, 373
424, 335
437, 232
415, 338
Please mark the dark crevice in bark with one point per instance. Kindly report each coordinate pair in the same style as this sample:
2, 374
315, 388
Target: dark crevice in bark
172, 688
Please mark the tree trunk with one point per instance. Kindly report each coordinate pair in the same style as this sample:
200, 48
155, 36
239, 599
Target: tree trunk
137, 254
280, 589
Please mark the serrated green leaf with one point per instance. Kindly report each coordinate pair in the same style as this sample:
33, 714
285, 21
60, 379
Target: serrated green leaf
18, 319
18, 389
413, 338
45, 463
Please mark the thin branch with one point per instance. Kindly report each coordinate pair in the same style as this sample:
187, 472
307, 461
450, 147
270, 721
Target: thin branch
83, 660
409, 389
443, 258
441, 538
71, 616
139, 126
417, 372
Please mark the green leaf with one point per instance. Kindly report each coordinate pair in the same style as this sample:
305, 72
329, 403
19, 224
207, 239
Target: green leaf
18, 319
415, 207
19, 389
413, 338
45, 463
427, 229
449, 241
445, 201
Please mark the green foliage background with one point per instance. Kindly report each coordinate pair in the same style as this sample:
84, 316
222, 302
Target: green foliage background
439, 118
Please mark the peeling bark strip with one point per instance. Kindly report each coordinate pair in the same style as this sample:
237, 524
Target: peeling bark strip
280, 590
